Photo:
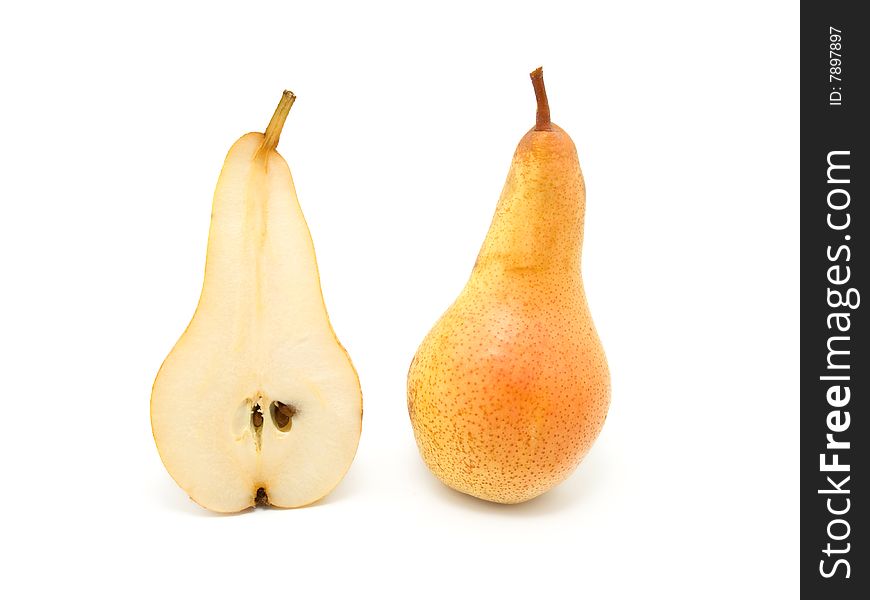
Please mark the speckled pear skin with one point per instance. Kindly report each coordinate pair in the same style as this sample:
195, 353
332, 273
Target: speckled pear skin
510, 388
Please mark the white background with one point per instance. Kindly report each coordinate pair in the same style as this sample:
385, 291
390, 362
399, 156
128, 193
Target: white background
115, 121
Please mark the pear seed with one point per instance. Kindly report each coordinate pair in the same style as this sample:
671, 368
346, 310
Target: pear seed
257, 417
282, 415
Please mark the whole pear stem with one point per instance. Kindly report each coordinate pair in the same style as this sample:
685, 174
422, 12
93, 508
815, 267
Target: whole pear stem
542, 118
276, 124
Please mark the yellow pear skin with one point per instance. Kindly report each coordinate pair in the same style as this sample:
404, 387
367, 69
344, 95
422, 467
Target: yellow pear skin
258, 402
511, 387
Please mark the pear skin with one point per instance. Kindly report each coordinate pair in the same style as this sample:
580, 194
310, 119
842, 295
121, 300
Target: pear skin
511, 387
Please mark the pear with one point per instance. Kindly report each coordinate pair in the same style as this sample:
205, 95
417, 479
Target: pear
511, 387
258, 402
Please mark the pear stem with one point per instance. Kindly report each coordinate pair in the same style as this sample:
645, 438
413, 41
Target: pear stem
273, 130
542, 118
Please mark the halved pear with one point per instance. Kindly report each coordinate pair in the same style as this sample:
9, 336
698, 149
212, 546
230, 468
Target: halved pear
258, 402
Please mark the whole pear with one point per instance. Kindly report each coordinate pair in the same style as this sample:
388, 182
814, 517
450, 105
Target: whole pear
511, 387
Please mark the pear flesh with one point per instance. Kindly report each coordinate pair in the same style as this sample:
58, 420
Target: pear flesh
258, 402
511, 387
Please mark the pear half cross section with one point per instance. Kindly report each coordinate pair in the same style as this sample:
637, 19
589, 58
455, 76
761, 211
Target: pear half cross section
258, 402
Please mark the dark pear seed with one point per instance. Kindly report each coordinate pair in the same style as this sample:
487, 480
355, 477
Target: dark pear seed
257, 417
282, 415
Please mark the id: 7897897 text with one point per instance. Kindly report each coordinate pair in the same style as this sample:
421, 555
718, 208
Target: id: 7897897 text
835, 62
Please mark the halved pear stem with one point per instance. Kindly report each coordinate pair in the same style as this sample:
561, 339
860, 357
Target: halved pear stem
273, 130
542, 119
